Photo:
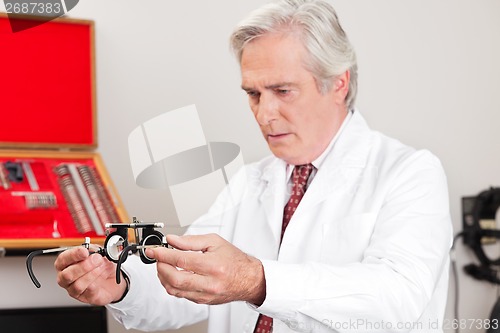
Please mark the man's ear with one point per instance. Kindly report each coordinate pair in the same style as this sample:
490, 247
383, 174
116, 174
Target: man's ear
341, 86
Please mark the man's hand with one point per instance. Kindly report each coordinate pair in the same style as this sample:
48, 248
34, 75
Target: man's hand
207, 269
88, 278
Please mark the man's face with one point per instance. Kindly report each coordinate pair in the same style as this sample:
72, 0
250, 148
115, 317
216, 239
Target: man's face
297, 121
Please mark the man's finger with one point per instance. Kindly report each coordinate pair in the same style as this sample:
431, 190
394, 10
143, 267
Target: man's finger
193, 242
190, 261
77, 270
185, 284
70, 257
91, 281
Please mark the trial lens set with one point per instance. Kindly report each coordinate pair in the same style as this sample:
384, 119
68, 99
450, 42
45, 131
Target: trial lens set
48, 187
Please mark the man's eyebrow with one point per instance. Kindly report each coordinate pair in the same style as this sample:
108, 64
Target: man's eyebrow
271, 86
246, 88
280, 85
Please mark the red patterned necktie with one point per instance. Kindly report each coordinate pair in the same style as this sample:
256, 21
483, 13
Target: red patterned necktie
300, 177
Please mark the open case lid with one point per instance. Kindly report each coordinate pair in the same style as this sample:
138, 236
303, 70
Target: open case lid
47, 85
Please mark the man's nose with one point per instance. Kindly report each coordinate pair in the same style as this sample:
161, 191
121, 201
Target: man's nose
267, 110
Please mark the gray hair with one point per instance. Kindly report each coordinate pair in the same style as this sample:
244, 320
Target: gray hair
329, 51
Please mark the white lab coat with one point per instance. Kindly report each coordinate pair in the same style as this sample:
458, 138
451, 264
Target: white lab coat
365, 251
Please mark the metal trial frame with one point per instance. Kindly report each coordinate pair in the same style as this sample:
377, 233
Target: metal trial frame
116, 246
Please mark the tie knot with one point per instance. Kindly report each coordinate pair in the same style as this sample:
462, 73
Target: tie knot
302, 172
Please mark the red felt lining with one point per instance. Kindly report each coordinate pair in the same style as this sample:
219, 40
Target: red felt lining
46, 88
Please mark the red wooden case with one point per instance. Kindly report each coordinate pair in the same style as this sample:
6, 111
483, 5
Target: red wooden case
54, 188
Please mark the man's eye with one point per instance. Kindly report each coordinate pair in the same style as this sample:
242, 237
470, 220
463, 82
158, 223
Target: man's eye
283, 91
253, 94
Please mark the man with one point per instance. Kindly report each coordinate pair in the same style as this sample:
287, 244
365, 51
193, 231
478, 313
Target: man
360, 244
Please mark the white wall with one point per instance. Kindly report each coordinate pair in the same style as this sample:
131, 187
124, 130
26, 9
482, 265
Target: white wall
429, 76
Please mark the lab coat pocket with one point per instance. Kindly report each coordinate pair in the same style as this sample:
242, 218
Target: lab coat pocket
345, 240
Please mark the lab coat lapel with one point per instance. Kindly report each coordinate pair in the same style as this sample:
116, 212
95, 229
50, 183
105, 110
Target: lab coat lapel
345, 162
272, 198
